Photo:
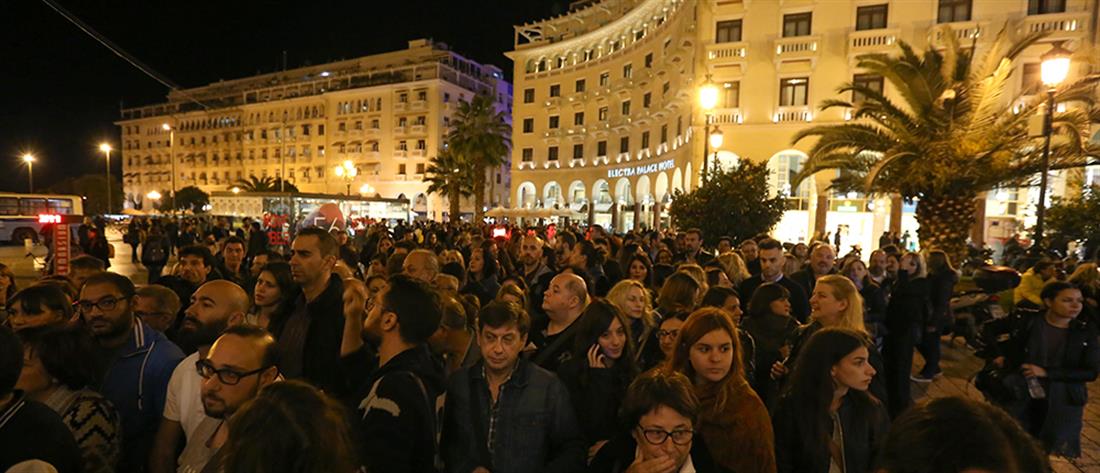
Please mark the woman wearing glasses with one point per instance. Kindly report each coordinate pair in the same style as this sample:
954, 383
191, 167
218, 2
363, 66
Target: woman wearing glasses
734, 422
827, 421
662, 413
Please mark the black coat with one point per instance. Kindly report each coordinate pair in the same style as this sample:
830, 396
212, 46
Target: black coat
864, 428
321, 353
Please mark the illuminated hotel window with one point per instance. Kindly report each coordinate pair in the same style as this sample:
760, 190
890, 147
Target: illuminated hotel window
731, 94
794, 92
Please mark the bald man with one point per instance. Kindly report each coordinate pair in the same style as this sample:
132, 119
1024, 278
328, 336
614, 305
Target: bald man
822, 263
215, 306
564, 301
422, 265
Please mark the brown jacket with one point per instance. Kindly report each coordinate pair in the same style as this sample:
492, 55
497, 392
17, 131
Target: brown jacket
739, 433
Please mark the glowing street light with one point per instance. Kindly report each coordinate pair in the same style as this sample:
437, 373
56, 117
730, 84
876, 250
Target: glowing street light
106, 149
348, 171
236, 190
1054, 69
30, 159
366, 190
708, 99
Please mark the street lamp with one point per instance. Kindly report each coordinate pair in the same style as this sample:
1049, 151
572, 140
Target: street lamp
347, 171
106, 149
715, 140
366, 190
1055, 68
30, 159
155, 197
171, 158
708, 99
235, 190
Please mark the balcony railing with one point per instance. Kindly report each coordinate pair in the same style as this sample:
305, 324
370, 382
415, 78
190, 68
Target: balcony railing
1058, 25
965, 32
399, 106
872, 41
399, 153
727, 52
416, 153
418, 129
799, 47
727, 116
792, 114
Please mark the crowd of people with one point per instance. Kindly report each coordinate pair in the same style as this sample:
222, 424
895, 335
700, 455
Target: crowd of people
436, 347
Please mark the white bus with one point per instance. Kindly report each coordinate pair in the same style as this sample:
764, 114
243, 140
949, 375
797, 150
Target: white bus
19, 213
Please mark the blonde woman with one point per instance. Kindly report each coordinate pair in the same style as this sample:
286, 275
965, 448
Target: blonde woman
633, 299
734, 267
835, 302
1087, 278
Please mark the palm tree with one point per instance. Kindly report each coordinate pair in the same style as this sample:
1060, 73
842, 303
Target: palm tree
264, 184
449, 175
480, 136
950, 135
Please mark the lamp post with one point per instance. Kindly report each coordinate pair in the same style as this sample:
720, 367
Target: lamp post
155, 197
347, 171
1055, 68
30, 159
106, 149
172, 159
715, 139
708, 99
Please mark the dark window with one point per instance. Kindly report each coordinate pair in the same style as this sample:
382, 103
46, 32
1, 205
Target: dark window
578, 151
645, 139
870, 81
664, 134
731, 95
871, 17
580, 85
529, 96
626, 107
1032, 78
628, 71
794, 92
796, 24
624, 144
528, 154
420, 168
605, 79
578, 118
553, 122
1041, 7
528, 125
601, 148
649, 60
401, 169
727, 31
954, 10
555, 90
552, 153
646, 100
603, 114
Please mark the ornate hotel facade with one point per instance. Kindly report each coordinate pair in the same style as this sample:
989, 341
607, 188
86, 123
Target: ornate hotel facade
386, 113
606, 110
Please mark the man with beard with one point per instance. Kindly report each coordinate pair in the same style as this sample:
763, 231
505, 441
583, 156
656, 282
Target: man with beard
216, 306
398, 413
139, 363
240, 363
822, 263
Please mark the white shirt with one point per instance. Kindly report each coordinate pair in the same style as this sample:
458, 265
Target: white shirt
184, 401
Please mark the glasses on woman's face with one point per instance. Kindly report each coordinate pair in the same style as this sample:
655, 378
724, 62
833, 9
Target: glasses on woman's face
662, 333
104, 304
659, 436
227, 376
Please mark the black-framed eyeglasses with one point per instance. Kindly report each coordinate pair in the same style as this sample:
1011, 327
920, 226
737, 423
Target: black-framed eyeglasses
228, 377
105, 304
668, 333
659, 436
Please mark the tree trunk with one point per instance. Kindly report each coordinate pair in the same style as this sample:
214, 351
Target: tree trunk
945, 223
479, 195
454, 199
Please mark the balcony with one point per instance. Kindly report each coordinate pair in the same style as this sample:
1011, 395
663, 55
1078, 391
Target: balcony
399, 130
418, 129
416, 153
965, 33
400, 153
724, 116
400, 106
796, 48
792, 115
872, 41
722, 54
1059, 26
419, 105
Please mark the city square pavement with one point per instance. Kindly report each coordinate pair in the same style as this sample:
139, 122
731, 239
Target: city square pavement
959, 363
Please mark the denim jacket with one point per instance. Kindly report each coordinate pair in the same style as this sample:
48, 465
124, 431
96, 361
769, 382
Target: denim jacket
533, 425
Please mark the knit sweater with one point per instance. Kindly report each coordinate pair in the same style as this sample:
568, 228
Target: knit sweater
95, 426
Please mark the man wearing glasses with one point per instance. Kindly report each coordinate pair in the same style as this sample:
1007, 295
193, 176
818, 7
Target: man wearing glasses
239, 364
662, 411
139, 363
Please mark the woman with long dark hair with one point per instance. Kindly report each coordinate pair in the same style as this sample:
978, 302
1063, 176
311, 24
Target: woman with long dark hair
601, 369
942, 278
481, 275
770, 323
39, 305
906, 316
639, 268
273, 295
735, 423
826, 420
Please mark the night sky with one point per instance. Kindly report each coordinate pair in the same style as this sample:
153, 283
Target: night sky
61, 90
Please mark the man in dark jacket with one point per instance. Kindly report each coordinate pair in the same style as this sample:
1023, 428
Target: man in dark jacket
398, 414
309, 339
822, 262
505, 413
771, 270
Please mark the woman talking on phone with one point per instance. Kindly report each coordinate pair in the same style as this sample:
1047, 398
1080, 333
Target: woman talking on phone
600, 371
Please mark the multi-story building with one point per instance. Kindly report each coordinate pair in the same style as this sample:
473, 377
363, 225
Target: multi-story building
386, 113
606, 106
